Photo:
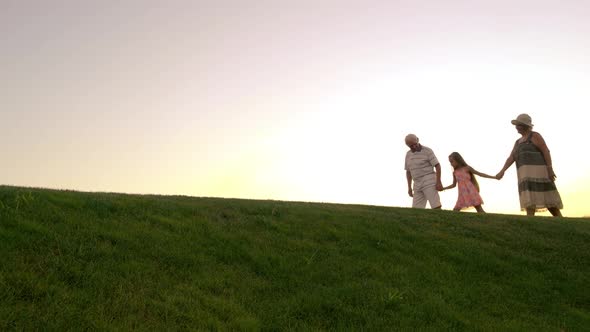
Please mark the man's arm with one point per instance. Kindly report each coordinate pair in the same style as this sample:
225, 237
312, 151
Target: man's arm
439, 185
409, 178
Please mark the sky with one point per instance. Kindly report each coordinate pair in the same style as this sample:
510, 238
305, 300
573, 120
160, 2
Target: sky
289, 100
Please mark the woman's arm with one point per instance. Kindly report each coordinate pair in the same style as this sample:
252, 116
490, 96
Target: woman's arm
507, 164
539, 142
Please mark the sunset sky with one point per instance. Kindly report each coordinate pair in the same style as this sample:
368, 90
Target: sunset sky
289, 100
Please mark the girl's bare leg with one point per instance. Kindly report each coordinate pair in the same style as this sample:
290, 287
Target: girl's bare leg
479, 209
530, 212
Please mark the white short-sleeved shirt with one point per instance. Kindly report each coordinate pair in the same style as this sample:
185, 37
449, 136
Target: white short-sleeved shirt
421, 166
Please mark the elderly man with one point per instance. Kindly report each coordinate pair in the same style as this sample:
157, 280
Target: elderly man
423, 168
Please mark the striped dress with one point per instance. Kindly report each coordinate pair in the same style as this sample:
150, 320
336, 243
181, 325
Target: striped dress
535, 189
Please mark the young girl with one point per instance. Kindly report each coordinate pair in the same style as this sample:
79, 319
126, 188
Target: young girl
468, 186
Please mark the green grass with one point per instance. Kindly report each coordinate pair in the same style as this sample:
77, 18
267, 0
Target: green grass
100, 261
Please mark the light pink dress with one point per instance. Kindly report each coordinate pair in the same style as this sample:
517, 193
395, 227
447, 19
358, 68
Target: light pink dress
468, 194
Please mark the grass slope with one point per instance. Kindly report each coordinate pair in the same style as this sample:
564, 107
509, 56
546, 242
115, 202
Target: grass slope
99, 261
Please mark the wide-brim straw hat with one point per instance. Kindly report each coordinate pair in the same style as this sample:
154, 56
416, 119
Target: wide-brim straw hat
523, 119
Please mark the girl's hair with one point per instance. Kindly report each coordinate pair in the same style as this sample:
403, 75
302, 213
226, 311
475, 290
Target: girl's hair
461, 163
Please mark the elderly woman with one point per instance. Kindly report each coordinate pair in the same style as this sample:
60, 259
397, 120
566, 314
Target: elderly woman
536, 179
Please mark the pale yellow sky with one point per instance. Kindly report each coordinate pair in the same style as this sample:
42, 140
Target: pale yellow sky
305, 101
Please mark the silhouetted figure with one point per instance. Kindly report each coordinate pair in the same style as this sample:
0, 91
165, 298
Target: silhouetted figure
536, 178
468, 191
423, 169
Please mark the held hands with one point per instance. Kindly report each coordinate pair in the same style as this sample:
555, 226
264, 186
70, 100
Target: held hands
500, 175
439, 186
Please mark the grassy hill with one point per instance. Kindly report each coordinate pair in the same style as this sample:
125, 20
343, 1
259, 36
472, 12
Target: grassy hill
99, 261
